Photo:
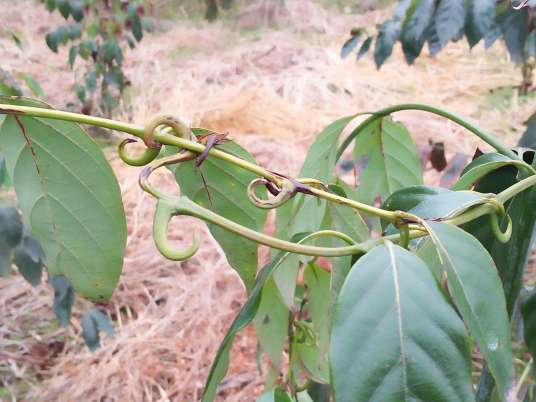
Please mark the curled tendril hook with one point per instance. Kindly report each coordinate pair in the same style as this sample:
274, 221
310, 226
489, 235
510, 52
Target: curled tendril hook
163, 214
503, 237
288, 189
148, 155
152, 149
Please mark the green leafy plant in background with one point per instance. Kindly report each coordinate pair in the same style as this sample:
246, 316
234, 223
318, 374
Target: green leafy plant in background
98, 34
10, 81
435, 23
401, 282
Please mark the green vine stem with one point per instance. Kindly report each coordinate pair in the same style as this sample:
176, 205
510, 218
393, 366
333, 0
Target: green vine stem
486, 137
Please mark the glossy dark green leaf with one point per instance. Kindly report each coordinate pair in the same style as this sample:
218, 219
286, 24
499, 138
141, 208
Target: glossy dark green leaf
93, 322
227, 184
449, 20
63, 298
480, 20
385, 41
29, 258
414, 30
387, 158
137, 28
515, 29
365, 46
350, 44
475, 287
380, 351
245, 316
529, 323
408, 198
68, 192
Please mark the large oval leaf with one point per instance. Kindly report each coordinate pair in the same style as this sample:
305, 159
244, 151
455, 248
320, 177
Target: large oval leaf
385, 41
70, 198
395, 337
476, 289
387, 159
226, 183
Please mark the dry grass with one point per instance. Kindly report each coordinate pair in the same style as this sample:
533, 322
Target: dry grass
273, 90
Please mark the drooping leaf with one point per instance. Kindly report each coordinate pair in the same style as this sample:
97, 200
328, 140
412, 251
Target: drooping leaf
11, 230
212, 10
414, 30
480, 20
529, 323
29, 258
388, 158
380, 351
93, 322
64, 8
70, 197
8, 86
475, 287
364, 47
63, 298
434, 43
385, 41
227, 185
449, 20
245, 316
515, 29
350, 44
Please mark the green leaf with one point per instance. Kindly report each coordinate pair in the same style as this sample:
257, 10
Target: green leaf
482, 166
385, 41
212, 10
8, 86
93, 322
137, 28
475, 287
515, 30
275, 395
52, 41
4, 177
365, 46
34, 86
305, 213
77, 9
387, 158
528, 139
271, 323
414, 29
69, 194
529, 323
226, 183
29, 258
395, 337
50, 5
64, 8
480, 20
434, 43
11, 228
63, 298
449, 20
246, 314
73, 52
350, 45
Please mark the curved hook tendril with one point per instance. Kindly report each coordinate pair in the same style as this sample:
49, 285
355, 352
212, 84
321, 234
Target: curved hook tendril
148, 155
163, 214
